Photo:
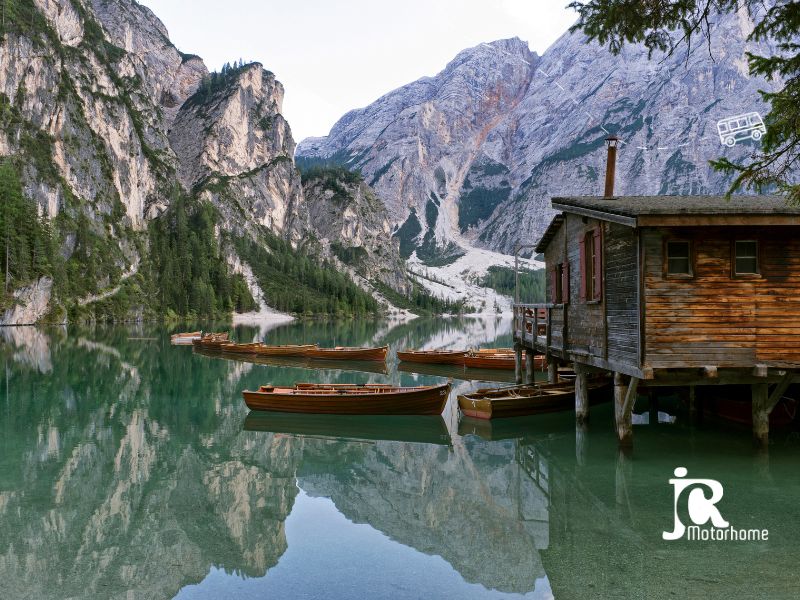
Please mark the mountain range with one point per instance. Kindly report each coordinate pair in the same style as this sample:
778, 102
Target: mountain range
472, 156
143, 185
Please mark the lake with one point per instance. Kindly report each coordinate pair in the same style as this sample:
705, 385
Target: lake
130, 468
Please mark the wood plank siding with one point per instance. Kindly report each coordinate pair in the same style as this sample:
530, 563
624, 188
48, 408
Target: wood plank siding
622, 293
581, 322
715, 317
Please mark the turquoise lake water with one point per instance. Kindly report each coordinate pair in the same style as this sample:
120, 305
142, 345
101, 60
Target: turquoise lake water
131, 469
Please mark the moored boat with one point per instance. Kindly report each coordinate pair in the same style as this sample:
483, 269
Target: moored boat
741, 411
185, 338
234, 348
285, 350
350, 399
499, 359
433, 357
518, 400
211, 341
345, 353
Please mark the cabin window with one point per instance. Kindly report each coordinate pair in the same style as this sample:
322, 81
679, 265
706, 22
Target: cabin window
591, 253
559, 283
679, 258
746, 257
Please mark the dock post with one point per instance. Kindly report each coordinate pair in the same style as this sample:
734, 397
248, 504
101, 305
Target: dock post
530, 369
693, 416
581, 443
552, 369
581, 395
652, 405
761, 410
518, 363
625, 389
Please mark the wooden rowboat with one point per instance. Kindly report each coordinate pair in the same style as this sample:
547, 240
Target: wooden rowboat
741, 411
287, 350
235, 348
211, 341
343, 353
515, 401
482, 359
185, 338
433, 357
349, 399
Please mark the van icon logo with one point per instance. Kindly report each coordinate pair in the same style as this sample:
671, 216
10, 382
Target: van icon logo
741, 127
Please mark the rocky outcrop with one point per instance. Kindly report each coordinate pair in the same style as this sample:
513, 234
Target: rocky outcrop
480, 148
415, 145
235, 149
352, 225
109, 120
30, 304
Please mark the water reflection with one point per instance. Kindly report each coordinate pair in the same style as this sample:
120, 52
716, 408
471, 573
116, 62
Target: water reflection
130, 468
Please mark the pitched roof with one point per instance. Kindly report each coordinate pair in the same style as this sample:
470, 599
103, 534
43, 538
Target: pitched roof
643, 211
633, 206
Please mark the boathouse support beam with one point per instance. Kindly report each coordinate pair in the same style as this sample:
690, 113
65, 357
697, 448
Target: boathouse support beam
552, 369
518, 363
581, 395
761, 410
625, 389
530, 369
763, 403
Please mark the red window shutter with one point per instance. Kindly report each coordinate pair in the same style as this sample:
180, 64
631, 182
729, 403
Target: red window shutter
582, 245
554, 285
597, 284
565, 283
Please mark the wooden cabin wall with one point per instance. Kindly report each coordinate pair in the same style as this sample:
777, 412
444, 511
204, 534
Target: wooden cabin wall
714, 318
586, 321
554, 255
622, 293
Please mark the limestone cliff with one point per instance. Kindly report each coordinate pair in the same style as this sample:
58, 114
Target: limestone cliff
352, 226
107, 122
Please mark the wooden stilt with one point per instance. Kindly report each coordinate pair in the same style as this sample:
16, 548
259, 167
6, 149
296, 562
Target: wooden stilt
763, 403
530, 359
761, 411
652, 405
625, 389
581, 443
518, 363
552, 369
692, 404
581, 395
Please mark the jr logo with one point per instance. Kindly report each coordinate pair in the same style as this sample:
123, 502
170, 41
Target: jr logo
701, 509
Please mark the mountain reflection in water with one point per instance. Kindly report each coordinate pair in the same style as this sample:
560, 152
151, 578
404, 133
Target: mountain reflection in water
132, 469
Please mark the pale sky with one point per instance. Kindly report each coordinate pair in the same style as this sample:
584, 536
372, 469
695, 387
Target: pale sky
336, 55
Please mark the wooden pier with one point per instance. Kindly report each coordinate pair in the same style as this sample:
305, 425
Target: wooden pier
670, 291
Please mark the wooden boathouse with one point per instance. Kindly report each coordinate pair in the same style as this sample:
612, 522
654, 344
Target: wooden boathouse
670, 291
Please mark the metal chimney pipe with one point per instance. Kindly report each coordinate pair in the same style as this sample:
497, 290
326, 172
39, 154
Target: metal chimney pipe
611, 165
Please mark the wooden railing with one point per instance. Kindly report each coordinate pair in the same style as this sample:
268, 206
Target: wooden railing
532, 323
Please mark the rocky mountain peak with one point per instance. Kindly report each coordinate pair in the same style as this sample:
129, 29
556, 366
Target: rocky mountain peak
471, 156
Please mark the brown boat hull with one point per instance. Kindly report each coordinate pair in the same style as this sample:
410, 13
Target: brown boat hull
500, 362
409, 401
433, 358
741, 412
241, 348
298, 350
542, 399
378, 354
